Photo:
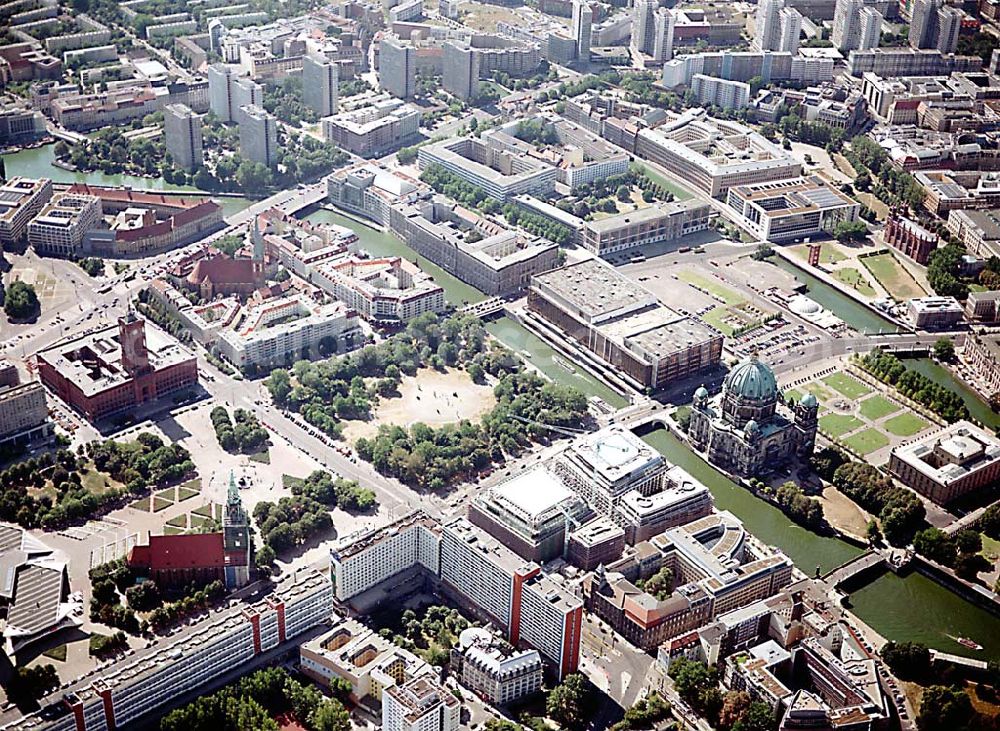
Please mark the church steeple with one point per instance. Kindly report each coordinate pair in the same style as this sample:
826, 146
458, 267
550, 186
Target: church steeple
236, 537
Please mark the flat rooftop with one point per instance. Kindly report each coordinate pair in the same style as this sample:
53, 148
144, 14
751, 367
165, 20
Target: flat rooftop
533, 493
595, 289
615, 453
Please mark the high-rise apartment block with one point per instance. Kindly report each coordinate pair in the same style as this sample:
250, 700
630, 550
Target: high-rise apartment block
767, 25
228, 92
664, 25
644, 25
258, 135
924, 23
182, 134
397, 68
320, 78
949, 22
461, 70
856, 26
583, 17
789, 30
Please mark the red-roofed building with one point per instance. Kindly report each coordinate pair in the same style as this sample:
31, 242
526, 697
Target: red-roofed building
181, 559
147, 223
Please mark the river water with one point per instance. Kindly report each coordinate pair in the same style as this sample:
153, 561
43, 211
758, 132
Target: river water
37, 163
902, 608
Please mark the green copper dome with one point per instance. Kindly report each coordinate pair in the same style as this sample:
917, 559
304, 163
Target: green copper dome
808, 400
752, 380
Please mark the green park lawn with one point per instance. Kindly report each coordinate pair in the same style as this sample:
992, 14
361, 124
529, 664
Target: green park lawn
828, 253
680, 193
836, 425
867, 441
876, 407
905, 425
793, 394
725, 294
818, 390
850, 387
852, 278
891, 275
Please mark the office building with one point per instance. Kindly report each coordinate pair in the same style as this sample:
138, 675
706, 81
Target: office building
718, 567
659, 222
24, 413
599, 541
978, 230
397, 67
320, 79
793, 209
983, 307
934, 313
714, 155
530, 513
62, 224
949, 463
488, 165
19, 125
623, 324
748, 429
714, 92
228, 92
116, 368
583, 16
422, 704
258, 135
982, 350
278, 331
369, 662
493, 669
134, 688
374, 129
21, 199
182, 136
767, 25
385, 291
460, 70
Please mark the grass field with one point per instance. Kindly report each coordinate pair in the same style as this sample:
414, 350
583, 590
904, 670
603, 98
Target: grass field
828, 253
847, 386
178, 521
264, 457
160, 503
905, 425
792, 393
891, 275
725, 294
836, 425
876, 407
818, 390
56, 653
852, 278
880, 208
288, 482
867, 441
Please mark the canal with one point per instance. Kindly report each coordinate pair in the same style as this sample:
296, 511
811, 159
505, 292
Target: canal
37, 163
508, 332
855, 314
979, 410
911, 607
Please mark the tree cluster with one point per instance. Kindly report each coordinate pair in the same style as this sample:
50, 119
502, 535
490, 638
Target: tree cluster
570, 702
284, 101
537, 224
943, 271
27, 685
960, 551
646, 713
435, 457
290, 522
849, 231
661, 584
194, 600
430, 634
891, 183
914, 385
155, 311
449, 184
899, 510
108, 582
537, 132
335, 492
805, 510
253, 702
20, 302
245, 436
92, 265
100, 645
146, 462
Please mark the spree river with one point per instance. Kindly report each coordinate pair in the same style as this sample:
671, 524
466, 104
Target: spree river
911, 607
